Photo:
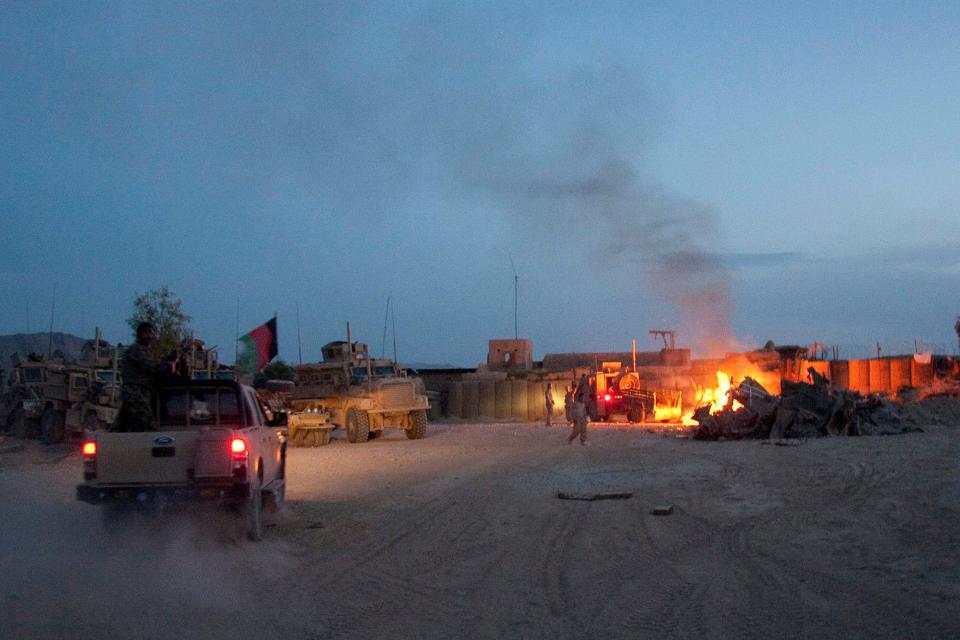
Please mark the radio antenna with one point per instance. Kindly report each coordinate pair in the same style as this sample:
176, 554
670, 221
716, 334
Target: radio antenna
386, 317
516, 298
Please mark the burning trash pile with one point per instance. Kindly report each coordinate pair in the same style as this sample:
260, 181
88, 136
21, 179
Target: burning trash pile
804, 410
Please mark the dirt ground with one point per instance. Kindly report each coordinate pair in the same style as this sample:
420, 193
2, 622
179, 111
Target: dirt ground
461, 535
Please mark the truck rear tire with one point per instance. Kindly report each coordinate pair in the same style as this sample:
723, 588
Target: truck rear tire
52, 426
358, 425
254, 511
418, 429
636, 414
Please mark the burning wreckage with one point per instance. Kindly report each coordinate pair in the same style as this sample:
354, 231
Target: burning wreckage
803, 410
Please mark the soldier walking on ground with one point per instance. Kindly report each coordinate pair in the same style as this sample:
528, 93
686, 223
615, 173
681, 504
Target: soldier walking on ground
580, 413
140, 369
568, 405
548, 399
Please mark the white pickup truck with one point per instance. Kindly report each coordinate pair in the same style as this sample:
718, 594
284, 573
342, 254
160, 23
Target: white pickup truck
211, 443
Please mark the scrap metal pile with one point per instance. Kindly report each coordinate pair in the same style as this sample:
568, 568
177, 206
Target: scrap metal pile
803, 410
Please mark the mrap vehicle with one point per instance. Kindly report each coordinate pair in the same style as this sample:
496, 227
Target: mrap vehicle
211, 442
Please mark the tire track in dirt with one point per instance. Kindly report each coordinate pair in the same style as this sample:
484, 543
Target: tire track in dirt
659, 608
445, 517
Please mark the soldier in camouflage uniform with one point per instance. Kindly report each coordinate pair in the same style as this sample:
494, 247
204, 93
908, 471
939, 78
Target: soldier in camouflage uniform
140, 368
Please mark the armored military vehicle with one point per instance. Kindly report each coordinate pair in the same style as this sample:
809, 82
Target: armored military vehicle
198, 362
51, 398
21, 404
357, 393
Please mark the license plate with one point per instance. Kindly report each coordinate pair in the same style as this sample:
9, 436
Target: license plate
208, 493
121, 493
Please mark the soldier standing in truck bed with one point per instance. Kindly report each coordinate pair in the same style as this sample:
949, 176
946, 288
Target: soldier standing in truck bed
140, 368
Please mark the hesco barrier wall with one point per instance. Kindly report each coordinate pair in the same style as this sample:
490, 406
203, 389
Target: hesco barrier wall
503, 403
884, 375
522, 400
519, 400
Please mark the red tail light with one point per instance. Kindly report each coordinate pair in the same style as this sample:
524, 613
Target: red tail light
239, 454
606, 397
89, 451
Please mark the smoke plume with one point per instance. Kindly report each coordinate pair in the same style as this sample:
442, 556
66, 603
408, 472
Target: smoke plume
562, 145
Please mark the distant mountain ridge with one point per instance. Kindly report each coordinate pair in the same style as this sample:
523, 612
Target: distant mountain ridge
41, 344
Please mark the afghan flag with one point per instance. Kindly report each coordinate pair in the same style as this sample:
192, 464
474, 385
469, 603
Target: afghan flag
259, 347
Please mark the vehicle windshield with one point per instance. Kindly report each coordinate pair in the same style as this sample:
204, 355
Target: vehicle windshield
31, 374
359, 374
104, 376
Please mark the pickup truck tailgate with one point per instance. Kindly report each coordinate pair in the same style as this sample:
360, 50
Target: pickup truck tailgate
147, 457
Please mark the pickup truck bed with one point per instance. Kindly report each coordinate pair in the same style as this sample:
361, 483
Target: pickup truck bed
211, 443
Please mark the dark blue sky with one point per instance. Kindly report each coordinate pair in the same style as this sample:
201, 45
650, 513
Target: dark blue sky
741, 172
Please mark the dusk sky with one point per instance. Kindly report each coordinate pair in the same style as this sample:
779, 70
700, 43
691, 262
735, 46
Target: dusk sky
737, 171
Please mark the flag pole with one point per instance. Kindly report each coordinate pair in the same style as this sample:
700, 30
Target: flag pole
393, 321
299, 346
53, 306
236, 340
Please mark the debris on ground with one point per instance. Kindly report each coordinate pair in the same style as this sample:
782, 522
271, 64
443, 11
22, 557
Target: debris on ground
785, 442
663, 510
590, 497
804, 410
10, 447
939, 388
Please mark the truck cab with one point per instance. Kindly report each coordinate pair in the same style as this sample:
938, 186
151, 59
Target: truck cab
210, 442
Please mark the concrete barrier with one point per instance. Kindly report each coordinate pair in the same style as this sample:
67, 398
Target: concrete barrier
504, 399
840, 374
455, 400
471, 400
920, 374
488, 399
880, 376
900, 373
858, 375
536, 408
518, 392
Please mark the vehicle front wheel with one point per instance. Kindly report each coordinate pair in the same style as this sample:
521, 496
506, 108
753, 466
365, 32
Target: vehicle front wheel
418, 428
24, 427
358, 425
636, 414
52, 426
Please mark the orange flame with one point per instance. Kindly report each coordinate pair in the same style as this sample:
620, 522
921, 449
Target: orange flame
718, 398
